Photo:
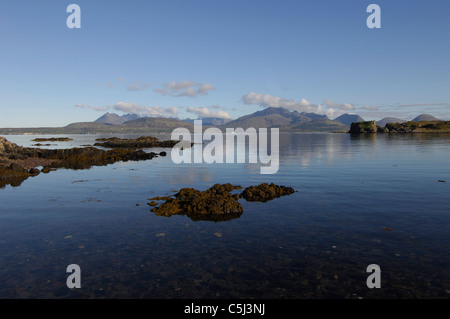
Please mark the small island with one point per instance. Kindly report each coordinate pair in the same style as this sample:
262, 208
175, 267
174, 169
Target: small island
52, 139
406, 127
140, 142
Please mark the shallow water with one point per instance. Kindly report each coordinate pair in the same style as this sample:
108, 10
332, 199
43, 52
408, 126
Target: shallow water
370, 199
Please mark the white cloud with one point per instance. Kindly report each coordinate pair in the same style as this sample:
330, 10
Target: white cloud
333, 113
185, 88
345, 106
206, 112
135, 108
145, 110
204, 88
424, 104
137, 86
370, 107
274, 101
97, 108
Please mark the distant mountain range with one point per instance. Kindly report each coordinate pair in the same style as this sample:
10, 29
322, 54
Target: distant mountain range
114, 119
271, 117
286, 120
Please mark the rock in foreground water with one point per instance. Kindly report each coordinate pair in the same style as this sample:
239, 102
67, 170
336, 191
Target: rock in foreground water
217, 203
265, 192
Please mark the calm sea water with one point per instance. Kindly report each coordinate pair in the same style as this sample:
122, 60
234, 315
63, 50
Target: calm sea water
360, 200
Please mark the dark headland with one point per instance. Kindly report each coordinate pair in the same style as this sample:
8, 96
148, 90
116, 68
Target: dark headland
406, 127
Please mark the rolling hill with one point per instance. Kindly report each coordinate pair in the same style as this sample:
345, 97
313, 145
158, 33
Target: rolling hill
348, 119
387, 120
424, 117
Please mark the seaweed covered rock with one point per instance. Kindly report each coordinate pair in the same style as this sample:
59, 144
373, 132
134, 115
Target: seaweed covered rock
217, 203
214, 204
141, 142
52, 139
15, 174
6, 147
83, 158
265, 192
18, 163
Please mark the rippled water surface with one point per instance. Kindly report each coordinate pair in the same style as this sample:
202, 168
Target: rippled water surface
360, 200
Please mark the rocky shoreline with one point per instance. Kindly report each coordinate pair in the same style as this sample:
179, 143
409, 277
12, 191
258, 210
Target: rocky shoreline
18, 163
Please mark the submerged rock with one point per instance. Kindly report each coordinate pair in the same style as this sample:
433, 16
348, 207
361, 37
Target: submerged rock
265, 192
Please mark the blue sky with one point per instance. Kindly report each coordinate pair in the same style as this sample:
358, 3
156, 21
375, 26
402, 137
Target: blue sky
225, 58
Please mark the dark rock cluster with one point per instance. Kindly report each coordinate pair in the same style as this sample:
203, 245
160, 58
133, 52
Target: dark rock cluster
217, 203
18, 163
405, 127
265, 192
53, 139
141, 142
365, 127
15, 174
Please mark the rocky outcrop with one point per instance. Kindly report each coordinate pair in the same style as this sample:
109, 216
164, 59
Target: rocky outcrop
53, 139
217, 203
15, 174
83, 158
13, 157
6, 147
405, 127
419, 127
265, 192
141, 142
365, 127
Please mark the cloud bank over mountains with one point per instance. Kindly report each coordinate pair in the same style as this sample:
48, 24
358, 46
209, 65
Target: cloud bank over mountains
135, 108
329, 107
